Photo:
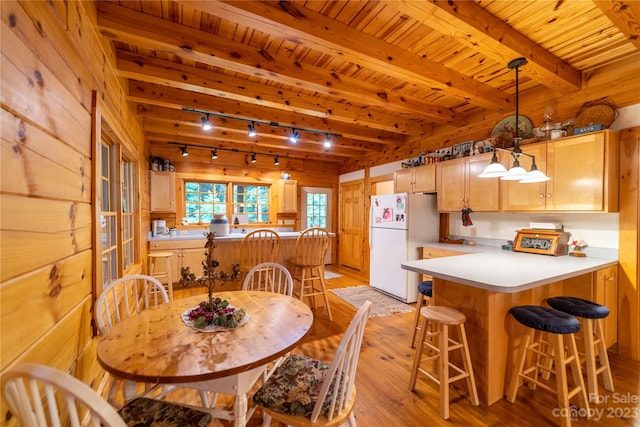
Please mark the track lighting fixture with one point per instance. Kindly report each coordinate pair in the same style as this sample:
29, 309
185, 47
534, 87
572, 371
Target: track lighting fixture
253, 158
327, 141
185, 153
214, 153
252, 129
294, 136
206, 124
276, 161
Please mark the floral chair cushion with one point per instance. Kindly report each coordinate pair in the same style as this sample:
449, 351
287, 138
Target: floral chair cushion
144, 412
294, 387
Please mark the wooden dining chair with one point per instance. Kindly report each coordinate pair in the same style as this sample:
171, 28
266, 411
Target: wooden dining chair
308, 265
39, 395
303, 392
258, 246
119, 300
270, 277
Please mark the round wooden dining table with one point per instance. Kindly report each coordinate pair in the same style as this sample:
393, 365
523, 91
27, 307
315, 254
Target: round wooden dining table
157, 347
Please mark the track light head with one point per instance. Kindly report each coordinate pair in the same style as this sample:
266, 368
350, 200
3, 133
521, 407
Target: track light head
294, 136
252, 129
253, 158
214, 153
206, 124
276, 161
185, 153
327, 141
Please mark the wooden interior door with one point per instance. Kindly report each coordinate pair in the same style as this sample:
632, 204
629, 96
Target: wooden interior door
352, 225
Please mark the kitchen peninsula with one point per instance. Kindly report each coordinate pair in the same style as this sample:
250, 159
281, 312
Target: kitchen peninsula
188, 250
484, 283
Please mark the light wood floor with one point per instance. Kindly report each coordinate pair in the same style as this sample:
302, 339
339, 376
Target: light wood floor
383, 374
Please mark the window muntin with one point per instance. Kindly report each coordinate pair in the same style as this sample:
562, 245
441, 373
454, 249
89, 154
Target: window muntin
251, 200
203, 199
317, 210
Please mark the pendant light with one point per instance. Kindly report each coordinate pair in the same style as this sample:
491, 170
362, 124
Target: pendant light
496, 169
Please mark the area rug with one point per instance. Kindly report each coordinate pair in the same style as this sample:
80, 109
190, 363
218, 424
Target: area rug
331, 275
382, 305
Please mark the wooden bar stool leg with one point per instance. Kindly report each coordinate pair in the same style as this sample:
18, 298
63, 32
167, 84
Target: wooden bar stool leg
603, 357
324, 293
418, 357
561, 379
443, 370
416, 319
468, 367
576, 372
519, 366
590, 355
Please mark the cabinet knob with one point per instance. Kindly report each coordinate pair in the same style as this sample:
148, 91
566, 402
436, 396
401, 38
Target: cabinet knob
548, 196
541, 196
610, 279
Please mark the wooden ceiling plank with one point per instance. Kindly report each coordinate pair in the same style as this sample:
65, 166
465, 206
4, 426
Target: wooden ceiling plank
482, 31
156, 34
327, 35
625, 15
147, 93
157, 71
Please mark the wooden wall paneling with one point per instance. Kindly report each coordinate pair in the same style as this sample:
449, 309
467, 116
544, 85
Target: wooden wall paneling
34, 93
49, 43
38, 232
31, 168
629, 245
70, 335
34, 302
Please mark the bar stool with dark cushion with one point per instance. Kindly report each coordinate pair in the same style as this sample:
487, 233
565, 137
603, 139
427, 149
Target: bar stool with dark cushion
549, 328
590, 315
425, 293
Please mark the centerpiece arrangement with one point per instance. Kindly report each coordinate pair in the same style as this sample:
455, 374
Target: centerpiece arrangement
215, 313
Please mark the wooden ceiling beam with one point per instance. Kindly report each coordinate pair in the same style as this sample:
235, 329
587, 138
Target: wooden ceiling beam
153, 70
165, 96
625, 15
314, 30
129, 26
482, 31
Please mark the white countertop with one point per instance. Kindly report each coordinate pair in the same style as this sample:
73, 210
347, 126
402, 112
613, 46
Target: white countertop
504, 271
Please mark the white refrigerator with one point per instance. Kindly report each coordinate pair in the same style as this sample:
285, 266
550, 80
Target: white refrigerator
400, 224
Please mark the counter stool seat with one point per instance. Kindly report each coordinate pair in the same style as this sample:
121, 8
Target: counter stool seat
425, 293
548, 332
441, 318
595, 349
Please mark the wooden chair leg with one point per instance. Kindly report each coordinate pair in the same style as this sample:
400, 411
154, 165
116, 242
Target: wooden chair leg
324, 293
590, 356
514, 383
418, 356
562, 389
443, 370
576, 372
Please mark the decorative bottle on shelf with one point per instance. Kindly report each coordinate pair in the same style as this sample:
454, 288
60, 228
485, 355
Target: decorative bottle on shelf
220, 225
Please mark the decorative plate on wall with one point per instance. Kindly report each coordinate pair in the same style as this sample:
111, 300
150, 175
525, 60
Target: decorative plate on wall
525, 129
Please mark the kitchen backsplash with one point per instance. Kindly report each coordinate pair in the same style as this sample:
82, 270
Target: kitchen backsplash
598, 230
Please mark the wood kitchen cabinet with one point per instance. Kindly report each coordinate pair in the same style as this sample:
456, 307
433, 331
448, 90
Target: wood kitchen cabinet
186, 253
583, 171
421, 179
605, 292
458, 185
427, 252
162, 186
286, 195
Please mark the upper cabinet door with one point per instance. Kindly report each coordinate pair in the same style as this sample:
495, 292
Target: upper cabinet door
163, 191
459, 186
584, 173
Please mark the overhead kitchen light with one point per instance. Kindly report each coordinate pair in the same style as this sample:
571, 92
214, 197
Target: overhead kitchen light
276, 161
294, 136
252, 129
517, 173
327, 141
185, 153
206, 124
253, 158
214, 153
